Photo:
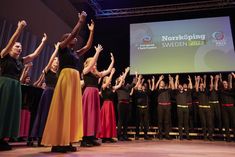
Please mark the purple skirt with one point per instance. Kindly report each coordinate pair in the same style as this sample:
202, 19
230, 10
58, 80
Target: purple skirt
43, 109
91, 111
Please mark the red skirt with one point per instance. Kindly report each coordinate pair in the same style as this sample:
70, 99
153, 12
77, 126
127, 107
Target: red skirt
107, 120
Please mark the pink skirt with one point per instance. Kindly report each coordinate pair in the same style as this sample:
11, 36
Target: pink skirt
107, 120
91, 111
24, 123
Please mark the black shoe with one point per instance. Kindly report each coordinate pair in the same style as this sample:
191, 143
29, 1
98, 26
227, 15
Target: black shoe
127, 139
59, 149
71, 148
121, 139
95, 143
104, 140
168, 138
4, 146
85, 144
112, 140
147, 138
30, 144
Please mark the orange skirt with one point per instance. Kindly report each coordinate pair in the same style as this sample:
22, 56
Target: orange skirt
65, 121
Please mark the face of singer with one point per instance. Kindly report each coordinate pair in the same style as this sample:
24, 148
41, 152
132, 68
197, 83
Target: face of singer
180, 87
185, 86
55, 64
162, 85
16, 50
225, 84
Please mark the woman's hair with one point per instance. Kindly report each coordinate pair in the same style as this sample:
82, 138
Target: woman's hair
86, 63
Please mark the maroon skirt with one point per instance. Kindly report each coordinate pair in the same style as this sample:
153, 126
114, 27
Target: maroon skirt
107, 120
91, 111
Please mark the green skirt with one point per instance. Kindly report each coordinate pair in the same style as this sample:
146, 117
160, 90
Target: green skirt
10, 106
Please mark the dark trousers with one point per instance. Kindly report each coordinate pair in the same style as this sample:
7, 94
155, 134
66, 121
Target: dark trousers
206, 121
228, 116
216, 115
123, 117
183, 120
164, 119
142, 119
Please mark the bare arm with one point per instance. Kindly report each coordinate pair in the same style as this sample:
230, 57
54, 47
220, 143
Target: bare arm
75, 30
197, 81
171, 82
33, 55
230, 81
190, 84
107, 71
25, 72
204, 78
40, 80
87, 69
52, 58
216, 82
117, 86
13, 39
159, 80
89, 41
176, 81
211, 83
153, 83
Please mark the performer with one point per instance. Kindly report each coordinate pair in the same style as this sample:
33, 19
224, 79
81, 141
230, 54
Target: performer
204, 108
49, 74
91, 103
164, 106
183, 92
226, 93
11, 65
141, 95
214, 102
107, 113
123, 94
64, 122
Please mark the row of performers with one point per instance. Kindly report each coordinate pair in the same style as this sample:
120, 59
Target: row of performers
66, 115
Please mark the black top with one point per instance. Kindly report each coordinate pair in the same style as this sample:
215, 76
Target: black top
214, 95
50, 79
226, 96
203, 97
141, 97
69, 59
107, 94
183, 97
164, 95
91, 80
123, 92
11, 67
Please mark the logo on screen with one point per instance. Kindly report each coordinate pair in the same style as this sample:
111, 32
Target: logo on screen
147, 39
218, 35
219, 38
147, 43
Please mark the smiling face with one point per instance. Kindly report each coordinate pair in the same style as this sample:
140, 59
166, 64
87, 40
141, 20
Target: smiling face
16, 50
55, 64
225, 84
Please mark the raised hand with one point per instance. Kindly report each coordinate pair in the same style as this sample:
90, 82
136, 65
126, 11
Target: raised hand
57, 45
22, 23
113, 70
233, 74
98, 48
82, 16
91, 26
161, 77
177, 77
189, 78
127, 69
112, 58
44, 37
153, 78
211, 77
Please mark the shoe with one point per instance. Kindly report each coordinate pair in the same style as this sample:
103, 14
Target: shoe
4, 146
168, 138
104, 140
112, 140
95, 143
71, 148
228, 139
127, 139
59, 149
188, 138
147, 138
86, 144
30, 144
121, 139
211, 139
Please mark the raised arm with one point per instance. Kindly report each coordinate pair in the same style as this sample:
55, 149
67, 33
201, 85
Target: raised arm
89, 41
109, 79
153, 83
159, 80
117, 86
40, 80
98, 49
197, 82
190, 84
13, 39
230, 81
176, 81
76, 29
211, 83
52, 58
107, 71
25, 71
33, 55
216, 82
204, 79
171, 82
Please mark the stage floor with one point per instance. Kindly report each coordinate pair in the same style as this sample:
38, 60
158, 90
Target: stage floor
140, 148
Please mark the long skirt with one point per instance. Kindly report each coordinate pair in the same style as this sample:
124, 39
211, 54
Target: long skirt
10, 105
91, 111
42, 112
107, 120
24, 122
65, 122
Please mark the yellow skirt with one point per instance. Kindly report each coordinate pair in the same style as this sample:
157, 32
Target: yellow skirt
65, 122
